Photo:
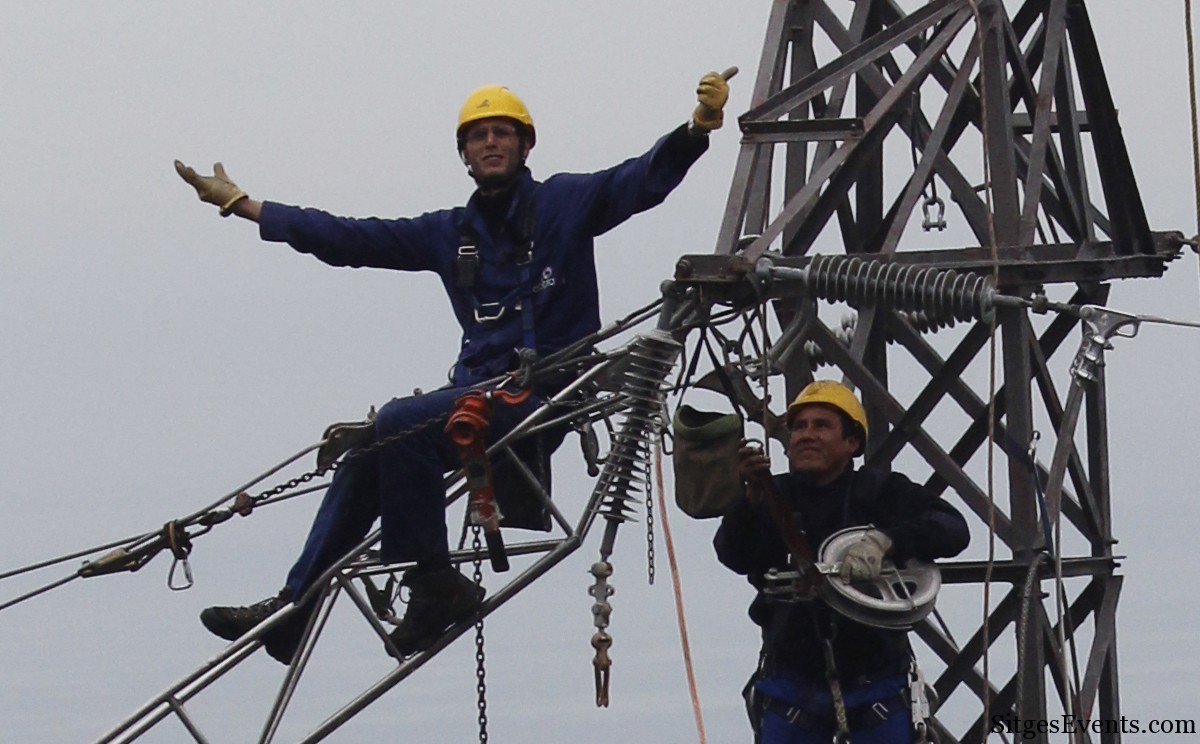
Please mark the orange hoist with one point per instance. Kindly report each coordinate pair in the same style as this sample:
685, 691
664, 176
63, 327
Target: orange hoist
467, 428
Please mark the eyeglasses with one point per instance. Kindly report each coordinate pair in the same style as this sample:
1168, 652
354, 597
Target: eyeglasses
479, 133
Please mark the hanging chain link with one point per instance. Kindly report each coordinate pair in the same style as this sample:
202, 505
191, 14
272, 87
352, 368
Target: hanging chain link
349, 456
649, 533
480, 666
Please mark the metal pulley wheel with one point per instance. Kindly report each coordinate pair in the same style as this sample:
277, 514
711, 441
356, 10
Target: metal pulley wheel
899, 599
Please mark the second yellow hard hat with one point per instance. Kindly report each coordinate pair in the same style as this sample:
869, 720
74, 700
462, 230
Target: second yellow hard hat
833, 394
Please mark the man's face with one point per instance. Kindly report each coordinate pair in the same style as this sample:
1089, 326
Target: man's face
818, 447
493, 150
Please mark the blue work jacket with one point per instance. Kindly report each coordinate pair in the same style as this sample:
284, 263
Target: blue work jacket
570, 210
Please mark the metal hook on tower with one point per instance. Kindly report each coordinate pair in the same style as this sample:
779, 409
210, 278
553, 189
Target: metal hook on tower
934, 210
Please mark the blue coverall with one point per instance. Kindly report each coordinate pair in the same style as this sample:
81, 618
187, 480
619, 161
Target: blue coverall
403, 484
872, 663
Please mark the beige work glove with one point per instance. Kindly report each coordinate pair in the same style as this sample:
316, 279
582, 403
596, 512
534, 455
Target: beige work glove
215, 189
712, 93
864, 559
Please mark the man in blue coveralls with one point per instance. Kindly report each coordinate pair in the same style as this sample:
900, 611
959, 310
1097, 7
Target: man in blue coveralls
517, 263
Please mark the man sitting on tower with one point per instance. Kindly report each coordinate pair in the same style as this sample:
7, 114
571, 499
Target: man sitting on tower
517, 263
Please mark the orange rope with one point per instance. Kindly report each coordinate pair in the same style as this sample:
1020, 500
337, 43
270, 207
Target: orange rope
683, 633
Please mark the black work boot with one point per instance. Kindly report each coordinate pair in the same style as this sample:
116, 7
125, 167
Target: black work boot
232, 623
437, 600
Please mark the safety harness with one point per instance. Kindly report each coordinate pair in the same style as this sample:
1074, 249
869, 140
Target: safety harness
804, 592
520, 298
803, 561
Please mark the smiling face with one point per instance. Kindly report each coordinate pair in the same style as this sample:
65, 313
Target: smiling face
819, 447
494, 151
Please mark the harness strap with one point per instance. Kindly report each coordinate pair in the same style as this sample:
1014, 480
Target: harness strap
466, 263
525, 261
466, 268
835, 689
859, 718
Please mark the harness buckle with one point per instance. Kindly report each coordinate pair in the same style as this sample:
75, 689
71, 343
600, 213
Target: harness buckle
483, 313
466, 266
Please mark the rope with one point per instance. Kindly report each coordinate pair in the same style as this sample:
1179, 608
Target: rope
1191, 63
991, 456
765, 371
1072, 698
678, 591
1023, 626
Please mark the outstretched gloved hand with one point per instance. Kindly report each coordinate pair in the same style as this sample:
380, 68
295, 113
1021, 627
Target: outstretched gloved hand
864, 559
712, 93
215, 189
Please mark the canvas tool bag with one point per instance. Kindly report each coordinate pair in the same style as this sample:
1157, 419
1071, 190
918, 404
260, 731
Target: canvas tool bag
706, 461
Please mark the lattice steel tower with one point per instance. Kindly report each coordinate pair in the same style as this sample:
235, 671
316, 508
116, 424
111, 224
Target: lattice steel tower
971, 119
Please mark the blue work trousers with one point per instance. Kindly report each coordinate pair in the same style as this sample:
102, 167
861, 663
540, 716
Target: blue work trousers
402, 484
815, 699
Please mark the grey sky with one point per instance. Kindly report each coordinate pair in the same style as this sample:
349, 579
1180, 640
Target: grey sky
156, 356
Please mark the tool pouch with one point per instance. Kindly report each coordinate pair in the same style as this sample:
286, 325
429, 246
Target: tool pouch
706, 461
520, 499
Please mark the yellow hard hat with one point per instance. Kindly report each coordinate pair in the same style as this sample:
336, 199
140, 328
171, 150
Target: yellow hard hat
494, 100
832, 394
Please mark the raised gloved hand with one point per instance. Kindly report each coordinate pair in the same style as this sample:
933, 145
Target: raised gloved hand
864, 558
215, 189
754, 468
712, 93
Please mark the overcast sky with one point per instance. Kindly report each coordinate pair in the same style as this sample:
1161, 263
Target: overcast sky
157, 356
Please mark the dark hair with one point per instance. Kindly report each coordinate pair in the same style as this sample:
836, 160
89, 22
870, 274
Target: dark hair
851, 428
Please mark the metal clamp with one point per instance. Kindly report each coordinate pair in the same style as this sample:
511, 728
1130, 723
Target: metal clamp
1102, 324
919, 699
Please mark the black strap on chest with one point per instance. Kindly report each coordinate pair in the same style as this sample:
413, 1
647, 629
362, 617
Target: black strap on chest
466, 262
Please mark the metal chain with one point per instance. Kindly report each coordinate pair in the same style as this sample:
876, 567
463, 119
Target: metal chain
353, 454
480, 666
649, 533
